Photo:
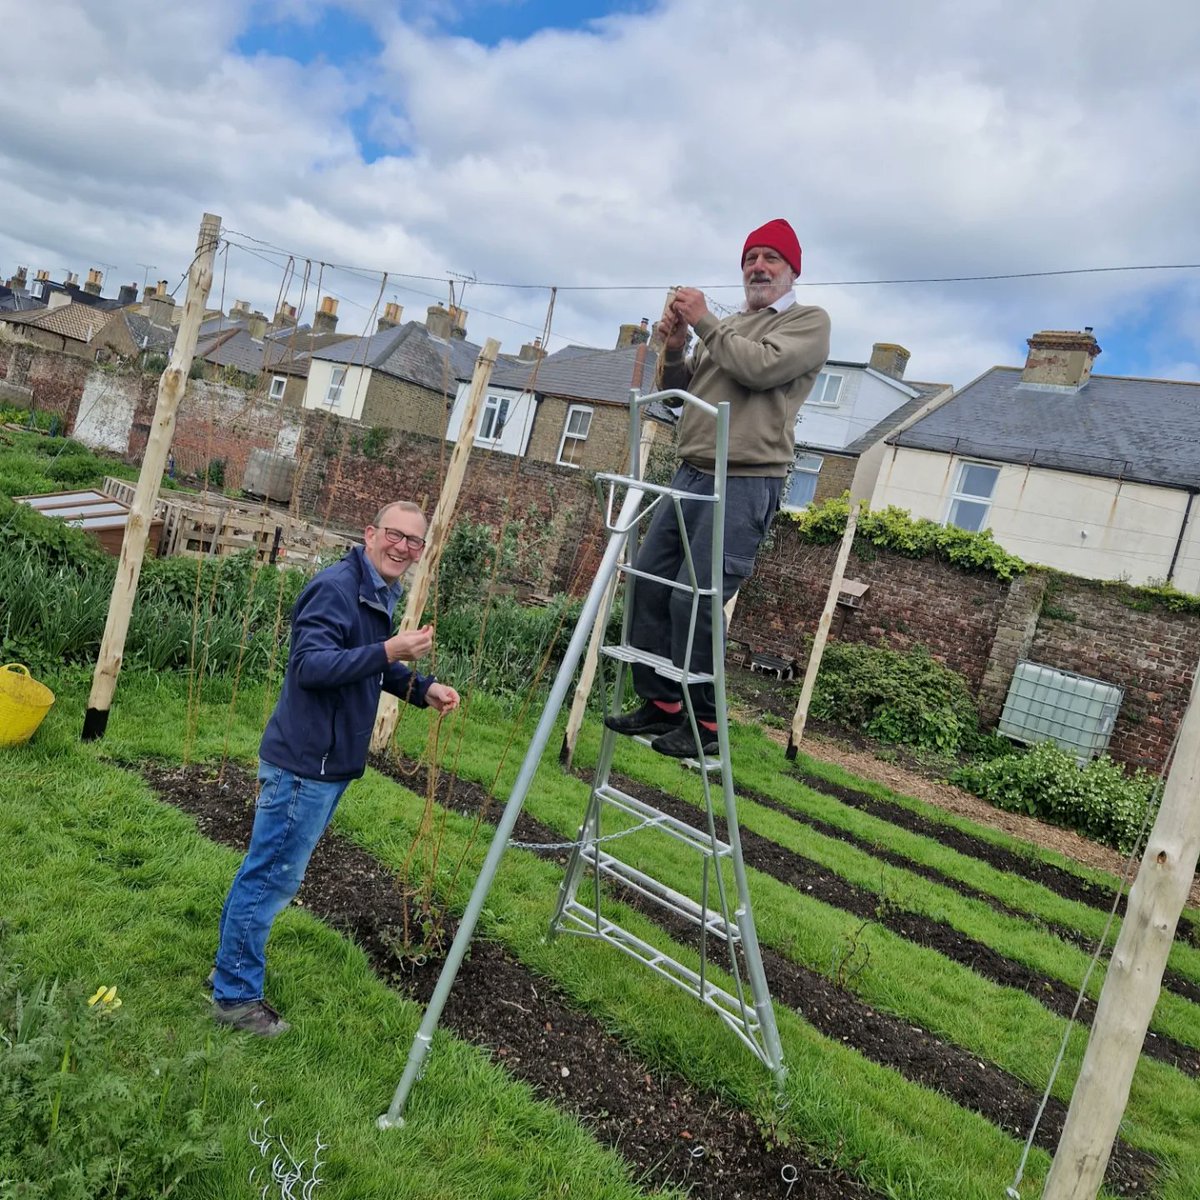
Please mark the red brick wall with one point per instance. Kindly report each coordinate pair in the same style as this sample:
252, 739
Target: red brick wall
55, 378
910, 601
1109, 633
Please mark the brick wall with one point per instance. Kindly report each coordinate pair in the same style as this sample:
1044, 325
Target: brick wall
837, 474
344, 487
981, 628
910, 601
56, 379
398, 404
607, 444
1110, 633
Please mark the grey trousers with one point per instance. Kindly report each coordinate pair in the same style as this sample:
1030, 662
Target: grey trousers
661, 614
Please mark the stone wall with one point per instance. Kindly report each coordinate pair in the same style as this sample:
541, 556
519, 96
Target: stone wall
398, 404
982, 627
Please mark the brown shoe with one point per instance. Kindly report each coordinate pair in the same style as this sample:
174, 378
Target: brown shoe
253, 1016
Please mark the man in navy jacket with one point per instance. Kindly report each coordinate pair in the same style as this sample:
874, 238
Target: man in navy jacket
343, 654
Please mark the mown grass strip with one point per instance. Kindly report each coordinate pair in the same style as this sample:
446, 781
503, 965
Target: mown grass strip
105, 884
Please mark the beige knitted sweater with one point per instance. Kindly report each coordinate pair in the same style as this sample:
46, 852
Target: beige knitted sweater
764, 363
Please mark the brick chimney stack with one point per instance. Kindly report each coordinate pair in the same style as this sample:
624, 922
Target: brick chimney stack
437, 321
127, 295
458, 323
95, 282
532, 351
256, 325
239, 310
391, 316
20, 280
160, 307
325, 320
633, 335
889, 359
285, 318
1060, 358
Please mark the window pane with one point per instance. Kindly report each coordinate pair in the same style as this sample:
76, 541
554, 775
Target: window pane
579, 421
572, 452
977, 480
968, 514
801, 488
809, 462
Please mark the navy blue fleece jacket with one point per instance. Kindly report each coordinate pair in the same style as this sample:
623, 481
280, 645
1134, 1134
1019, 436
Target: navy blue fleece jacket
321, 726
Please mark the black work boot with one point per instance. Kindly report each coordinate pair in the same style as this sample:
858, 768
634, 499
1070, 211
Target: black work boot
679, 743
649, 719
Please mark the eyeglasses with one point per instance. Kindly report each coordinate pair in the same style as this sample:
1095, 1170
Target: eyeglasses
396, 536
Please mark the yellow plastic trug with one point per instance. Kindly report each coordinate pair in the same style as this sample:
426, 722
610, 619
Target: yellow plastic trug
23, 704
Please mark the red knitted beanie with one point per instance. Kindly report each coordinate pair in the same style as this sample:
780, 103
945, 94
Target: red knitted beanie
780, 236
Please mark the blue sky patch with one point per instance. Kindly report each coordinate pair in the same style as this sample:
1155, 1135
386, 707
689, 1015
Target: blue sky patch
335, 36
490, 22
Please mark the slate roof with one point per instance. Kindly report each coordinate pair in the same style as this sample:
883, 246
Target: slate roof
409, 352
147, 335
580, 373
78, 322
1141, 430
17, 300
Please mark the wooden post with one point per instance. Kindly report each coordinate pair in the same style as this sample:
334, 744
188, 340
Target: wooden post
171, 387
1134, 977
388, 711
818, 648
587, 674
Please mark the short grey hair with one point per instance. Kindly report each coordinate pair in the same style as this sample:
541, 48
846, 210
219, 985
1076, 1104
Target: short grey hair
403, 506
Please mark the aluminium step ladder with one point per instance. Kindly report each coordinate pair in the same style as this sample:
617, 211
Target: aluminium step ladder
720, 910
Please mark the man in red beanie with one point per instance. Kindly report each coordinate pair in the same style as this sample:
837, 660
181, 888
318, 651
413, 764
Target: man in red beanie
763, 361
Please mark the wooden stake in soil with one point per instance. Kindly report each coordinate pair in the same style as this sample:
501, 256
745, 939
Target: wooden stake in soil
1134, 977
171, 387
818, 649
388, 711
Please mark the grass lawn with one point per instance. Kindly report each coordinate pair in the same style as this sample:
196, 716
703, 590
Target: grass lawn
110, 885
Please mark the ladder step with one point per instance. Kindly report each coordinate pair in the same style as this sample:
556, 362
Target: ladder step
626, 569
689, 834
709, 765
664, 666
742, 1019
656, 489
676, 902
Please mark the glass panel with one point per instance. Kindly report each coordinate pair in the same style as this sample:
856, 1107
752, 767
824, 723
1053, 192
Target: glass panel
579, 421
809, 462
801, 488
977, 480
572, 452
968, 514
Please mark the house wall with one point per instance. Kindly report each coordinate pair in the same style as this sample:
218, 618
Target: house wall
398, 404
354, 390
836, 477
607, 445
864, 401
1092, 527
514, 437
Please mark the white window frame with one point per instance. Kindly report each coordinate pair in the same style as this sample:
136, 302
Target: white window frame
337, 382
820, 392
577, 438
802, 466
959, 496
281, 380
493, 417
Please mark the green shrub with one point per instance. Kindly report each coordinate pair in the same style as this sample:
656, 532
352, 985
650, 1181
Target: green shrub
83, 1113
906, 698
1098, 800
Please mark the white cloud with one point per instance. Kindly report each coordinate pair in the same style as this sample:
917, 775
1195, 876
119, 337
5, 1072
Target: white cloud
901, 142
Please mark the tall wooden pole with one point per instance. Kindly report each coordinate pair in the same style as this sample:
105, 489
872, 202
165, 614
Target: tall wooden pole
171, 387
818, 648
587, 674
1134, 977
388, 712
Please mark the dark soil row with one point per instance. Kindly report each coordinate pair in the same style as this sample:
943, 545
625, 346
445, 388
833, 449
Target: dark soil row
819, 882
670, 1132
1057, 879
890, 1041
1173, 981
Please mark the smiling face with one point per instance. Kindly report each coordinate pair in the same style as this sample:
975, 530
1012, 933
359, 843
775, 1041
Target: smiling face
766, 276
395, 542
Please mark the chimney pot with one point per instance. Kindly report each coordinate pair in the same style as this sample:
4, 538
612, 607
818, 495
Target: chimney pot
391, 316
889, 359
1060, 358
633, 335
325, 320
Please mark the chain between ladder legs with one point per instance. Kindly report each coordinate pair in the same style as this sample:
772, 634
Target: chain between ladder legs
586, 842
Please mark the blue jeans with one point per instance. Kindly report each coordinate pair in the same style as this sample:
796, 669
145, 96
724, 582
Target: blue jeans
290, 815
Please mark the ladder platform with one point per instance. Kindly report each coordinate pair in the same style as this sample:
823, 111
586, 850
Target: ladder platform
688, 834
676, 902
579, 919
656, 489
711, 762
664, 666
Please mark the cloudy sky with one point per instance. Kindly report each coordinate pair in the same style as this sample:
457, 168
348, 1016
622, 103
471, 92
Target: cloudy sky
615, 147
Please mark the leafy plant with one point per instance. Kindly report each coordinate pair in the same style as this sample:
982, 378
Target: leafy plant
82, 1114
1098, 800
907, 698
